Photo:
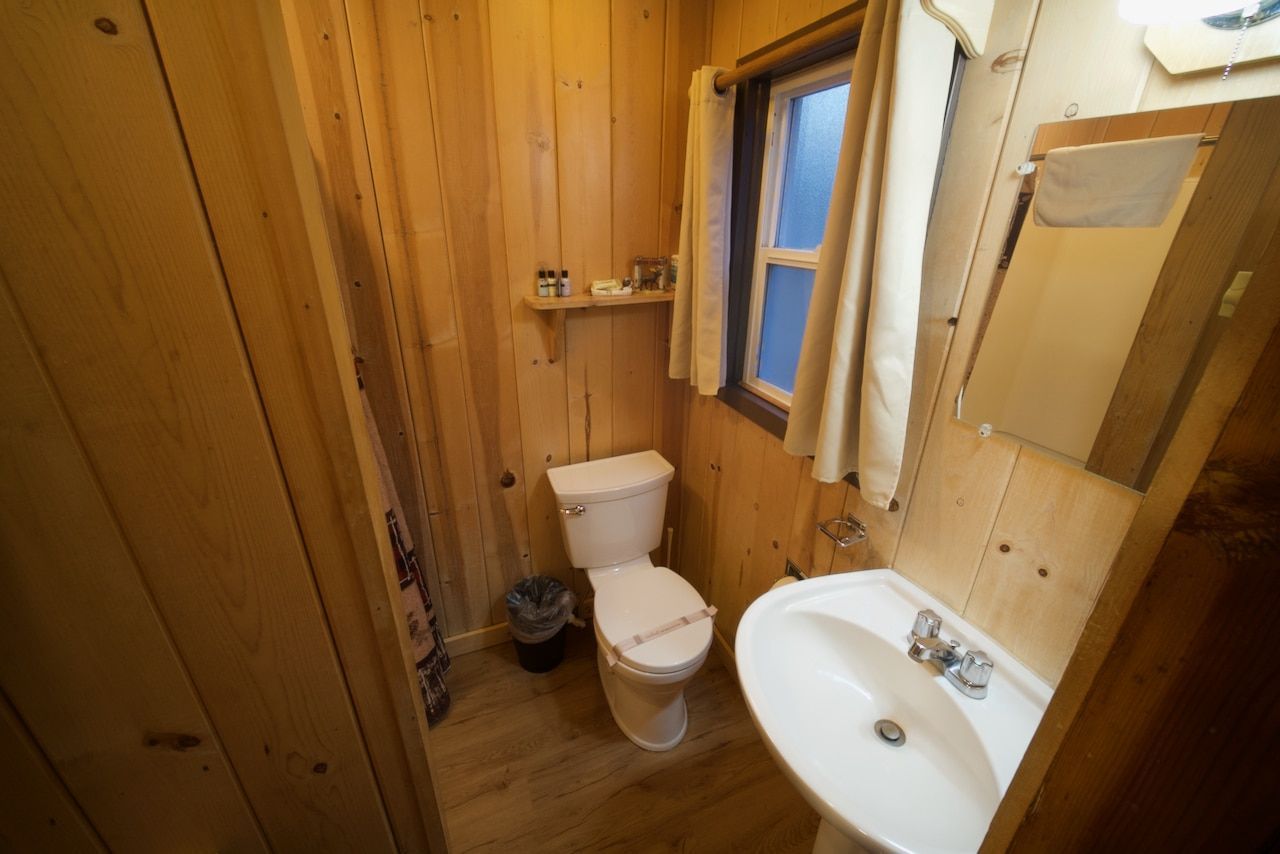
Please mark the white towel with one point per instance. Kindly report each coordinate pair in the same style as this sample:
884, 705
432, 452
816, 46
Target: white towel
968, 21
1129, 184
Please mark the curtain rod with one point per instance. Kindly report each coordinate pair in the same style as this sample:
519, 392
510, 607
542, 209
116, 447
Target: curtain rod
1208, 140
842, 27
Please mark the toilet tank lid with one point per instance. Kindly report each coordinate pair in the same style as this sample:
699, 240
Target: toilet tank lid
611, 478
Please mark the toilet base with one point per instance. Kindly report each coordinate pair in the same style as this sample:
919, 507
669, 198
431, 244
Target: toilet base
653, 716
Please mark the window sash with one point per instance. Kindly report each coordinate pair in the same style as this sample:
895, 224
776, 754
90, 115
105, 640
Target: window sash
773, 175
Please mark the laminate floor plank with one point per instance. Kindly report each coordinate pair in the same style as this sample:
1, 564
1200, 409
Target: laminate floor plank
534, 763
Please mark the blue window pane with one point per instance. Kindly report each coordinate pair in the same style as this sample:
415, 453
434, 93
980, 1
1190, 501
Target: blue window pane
813, 144
786, 305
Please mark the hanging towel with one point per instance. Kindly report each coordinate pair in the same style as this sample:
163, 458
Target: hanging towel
429, 653
968, 21
698, 324
1130, 184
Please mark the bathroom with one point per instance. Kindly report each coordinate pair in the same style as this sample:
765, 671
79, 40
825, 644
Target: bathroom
213, 210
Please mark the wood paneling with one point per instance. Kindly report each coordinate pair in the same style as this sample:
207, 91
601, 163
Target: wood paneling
1043, 566
583, 120
320, 44
183, 384
1175, 746
460, 71
637, 35
1225, 376
503, 138
525, 116
399, 126
36, 811
248, 146
86, 660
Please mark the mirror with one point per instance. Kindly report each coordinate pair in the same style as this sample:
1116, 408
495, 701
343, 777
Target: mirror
1130, 245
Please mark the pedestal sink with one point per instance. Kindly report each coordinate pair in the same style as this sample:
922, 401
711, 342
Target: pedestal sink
823, 661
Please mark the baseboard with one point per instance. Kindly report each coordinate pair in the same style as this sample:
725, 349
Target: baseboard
478, 639
725, 651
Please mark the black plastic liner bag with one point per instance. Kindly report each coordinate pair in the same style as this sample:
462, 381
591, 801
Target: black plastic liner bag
538, 607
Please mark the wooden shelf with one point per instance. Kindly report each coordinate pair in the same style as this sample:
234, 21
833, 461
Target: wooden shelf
587, 300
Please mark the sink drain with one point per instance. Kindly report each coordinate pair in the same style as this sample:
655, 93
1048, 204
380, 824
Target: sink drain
890, 733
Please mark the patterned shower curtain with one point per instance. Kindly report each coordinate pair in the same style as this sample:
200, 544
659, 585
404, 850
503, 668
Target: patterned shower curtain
429, 652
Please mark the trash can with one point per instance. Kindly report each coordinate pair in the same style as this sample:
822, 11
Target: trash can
538, 608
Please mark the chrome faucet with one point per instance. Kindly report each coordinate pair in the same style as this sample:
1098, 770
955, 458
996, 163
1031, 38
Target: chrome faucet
969, 672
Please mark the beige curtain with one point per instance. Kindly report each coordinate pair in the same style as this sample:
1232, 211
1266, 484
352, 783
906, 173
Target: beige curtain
698, 315
853, 383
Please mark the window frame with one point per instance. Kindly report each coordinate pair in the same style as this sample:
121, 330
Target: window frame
750, 119
777, 139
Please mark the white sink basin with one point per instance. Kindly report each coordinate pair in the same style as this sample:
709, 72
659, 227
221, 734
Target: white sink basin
822, 660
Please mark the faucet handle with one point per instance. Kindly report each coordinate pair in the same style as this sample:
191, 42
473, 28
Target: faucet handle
927, 624
976, 667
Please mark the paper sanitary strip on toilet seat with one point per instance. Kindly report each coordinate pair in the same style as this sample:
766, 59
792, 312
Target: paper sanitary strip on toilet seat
613, 654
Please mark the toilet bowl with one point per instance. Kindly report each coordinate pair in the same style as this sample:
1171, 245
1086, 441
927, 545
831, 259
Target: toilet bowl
653, 630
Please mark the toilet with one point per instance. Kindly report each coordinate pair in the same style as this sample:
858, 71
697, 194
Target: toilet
653, 630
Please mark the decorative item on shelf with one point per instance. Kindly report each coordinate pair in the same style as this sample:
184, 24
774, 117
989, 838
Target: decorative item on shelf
650, 274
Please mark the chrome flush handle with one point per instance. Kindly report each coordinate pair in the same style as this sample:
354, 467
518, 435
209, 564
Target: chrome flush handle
573, 510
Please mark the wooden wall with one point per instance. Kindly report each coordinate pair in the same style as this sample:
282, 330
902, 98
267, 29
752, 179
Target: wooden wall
1152, 738
981, 517
201, 645
461, 148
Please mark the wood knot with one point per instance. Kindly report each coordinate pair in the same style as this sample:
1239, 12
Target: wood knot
507, 480
1004, 547
107, 26
1008, 61
319, 768
178, 741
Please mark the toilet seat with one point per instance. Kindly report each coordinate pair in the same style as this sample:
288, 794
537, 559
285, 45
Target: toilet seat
643, 599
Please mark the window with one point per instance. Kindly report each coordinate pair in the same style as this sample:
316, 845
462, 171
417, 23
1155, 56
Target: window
805, 116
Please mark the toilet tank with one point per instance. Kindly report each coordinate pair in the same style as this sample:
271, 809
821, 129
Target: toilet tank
611, 509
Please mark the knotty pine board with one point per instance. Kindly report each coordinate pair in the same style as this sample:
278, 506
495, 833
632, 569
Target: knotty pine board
36, 811
458, 55
479, 180
123, 297
247, 141
324, 71
525, 123
87, 661
399, 126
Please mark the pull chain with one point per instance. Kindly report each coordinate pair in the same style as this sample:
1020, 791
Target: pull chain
1246, 16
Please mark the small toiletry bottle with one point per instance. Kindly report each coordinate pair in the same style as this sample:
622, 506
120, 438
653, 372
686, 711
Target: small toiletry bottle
543, 289
637, 275
674, 273
564, 283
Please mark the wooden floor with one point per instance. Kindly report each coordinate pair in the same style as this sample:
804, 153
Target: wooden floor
535, 763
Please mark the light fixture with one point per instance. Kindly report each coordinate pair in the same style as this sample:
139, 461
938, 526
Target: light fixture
1157, 12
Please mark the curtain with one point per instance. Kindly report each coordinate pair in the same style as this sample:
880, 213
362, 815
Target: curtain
698, 315
853, 382
429, 653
